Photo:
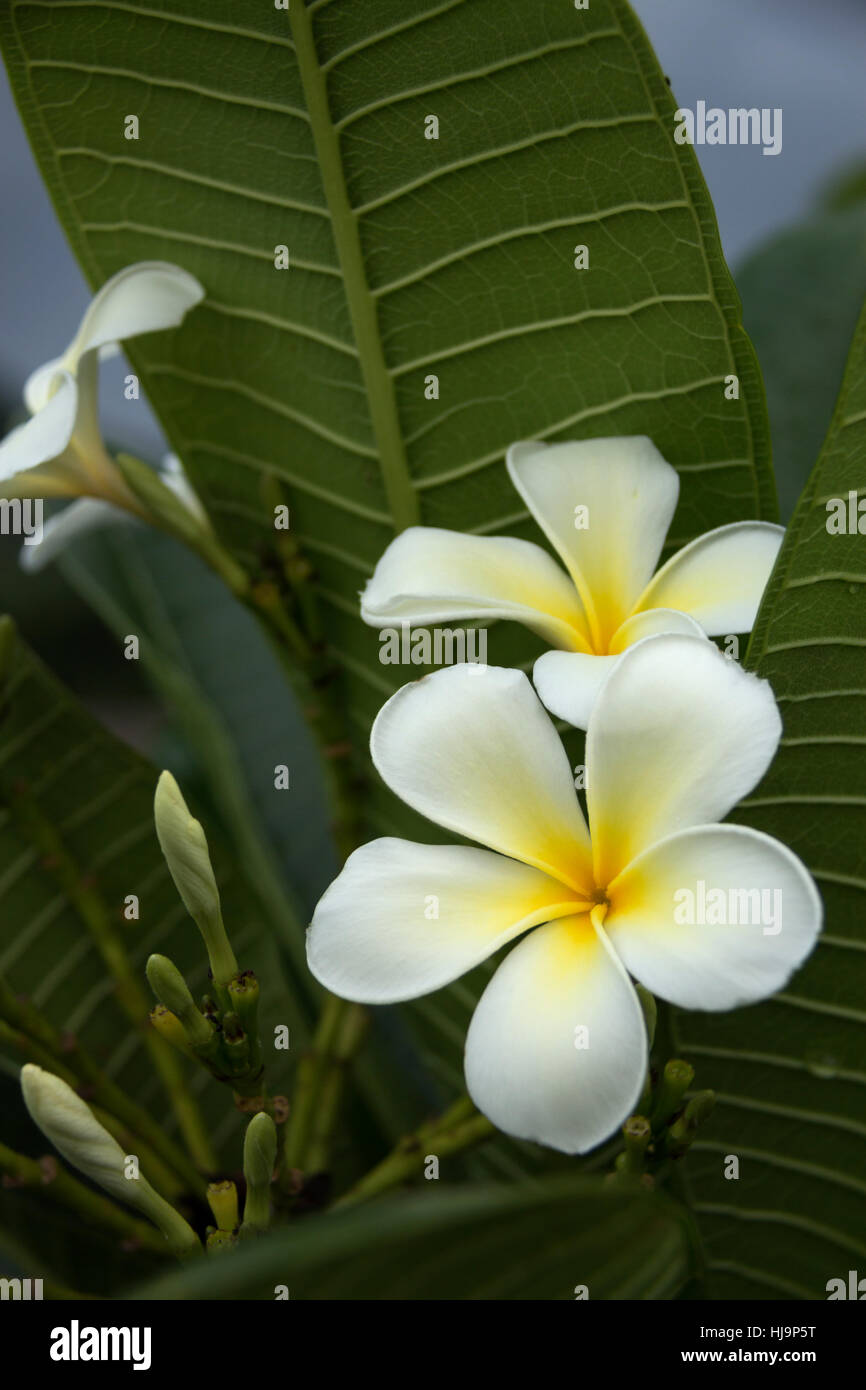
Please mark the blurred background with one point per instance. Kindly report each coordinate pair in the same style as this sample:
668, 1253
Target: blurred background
806, 58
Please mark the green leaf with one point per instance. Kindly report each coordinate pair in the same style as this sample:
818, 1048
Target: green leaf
409, 256
532, 1242
790, 1073
60, 772
801, 295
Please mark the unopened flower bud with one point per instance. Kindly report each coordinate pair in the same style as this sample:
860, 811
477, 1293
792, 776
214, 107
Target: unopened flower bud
223, 1199
76, 1133
184, 845
260, 1155
171, 989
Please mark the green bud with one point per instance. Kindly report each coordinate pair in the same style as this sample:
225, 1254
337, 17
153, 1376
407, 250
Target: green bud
699, 1108
223, 1199
637, 1132
260, 1156
76, 1133
184, 845
676, 1079
243, 992
236, 1045
162, 505
169, 1026
171, 989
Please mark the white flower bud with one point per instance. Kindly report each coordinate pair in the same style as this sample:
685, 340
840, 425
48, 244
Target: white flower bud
184, 845
77, 1134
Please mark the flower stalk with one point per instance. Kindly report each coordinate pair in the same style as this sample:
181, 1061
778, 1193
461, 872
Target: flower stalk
319, 1087
461, 1127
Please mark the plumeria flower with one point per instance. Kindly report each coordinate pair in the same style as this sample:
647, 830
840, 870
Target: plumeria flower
605, 506
557, 1048
59, 452
88, 514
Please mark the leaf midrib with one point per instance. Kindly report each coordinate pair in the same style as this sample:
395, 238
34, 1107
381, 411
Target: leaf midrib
399, 490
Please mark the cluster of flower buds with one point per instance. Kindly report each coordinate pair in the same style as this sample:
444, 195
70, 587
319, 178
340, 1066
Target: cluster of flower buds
670, 1126
260, 1157
222, 1031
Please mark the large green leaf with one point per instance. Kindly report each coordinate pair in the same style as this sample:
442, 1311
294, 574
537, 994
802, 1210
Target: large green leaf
409, 256
61, 773
791, 1073
538, 1242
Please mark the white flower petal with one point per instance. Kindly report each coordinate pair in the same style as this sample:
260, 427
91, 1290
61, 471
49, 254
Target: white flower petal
44, 437
471, 748
653, 623
142, 298
630, 493
677, 737
404, 919
428, 575
569, 682
527, 1069
39, 386
769, 906
85, 514
720, 577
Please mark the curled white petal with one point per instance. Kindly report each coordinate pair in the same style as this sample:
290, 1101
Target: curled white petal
46, 435
428, 575
142, 298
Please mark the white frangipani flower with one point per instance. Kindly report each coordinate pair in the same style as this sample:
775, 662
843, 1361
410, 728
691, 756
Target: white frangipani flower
59, 452
88, 514
605, 506
678, 737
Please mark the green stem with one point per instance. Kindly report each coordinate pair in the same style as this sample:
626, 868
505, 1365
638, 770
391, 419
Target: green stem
319, 1084
62, 1188
352, 1024
31, 1034
459, 1128
313, 676
129, 993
